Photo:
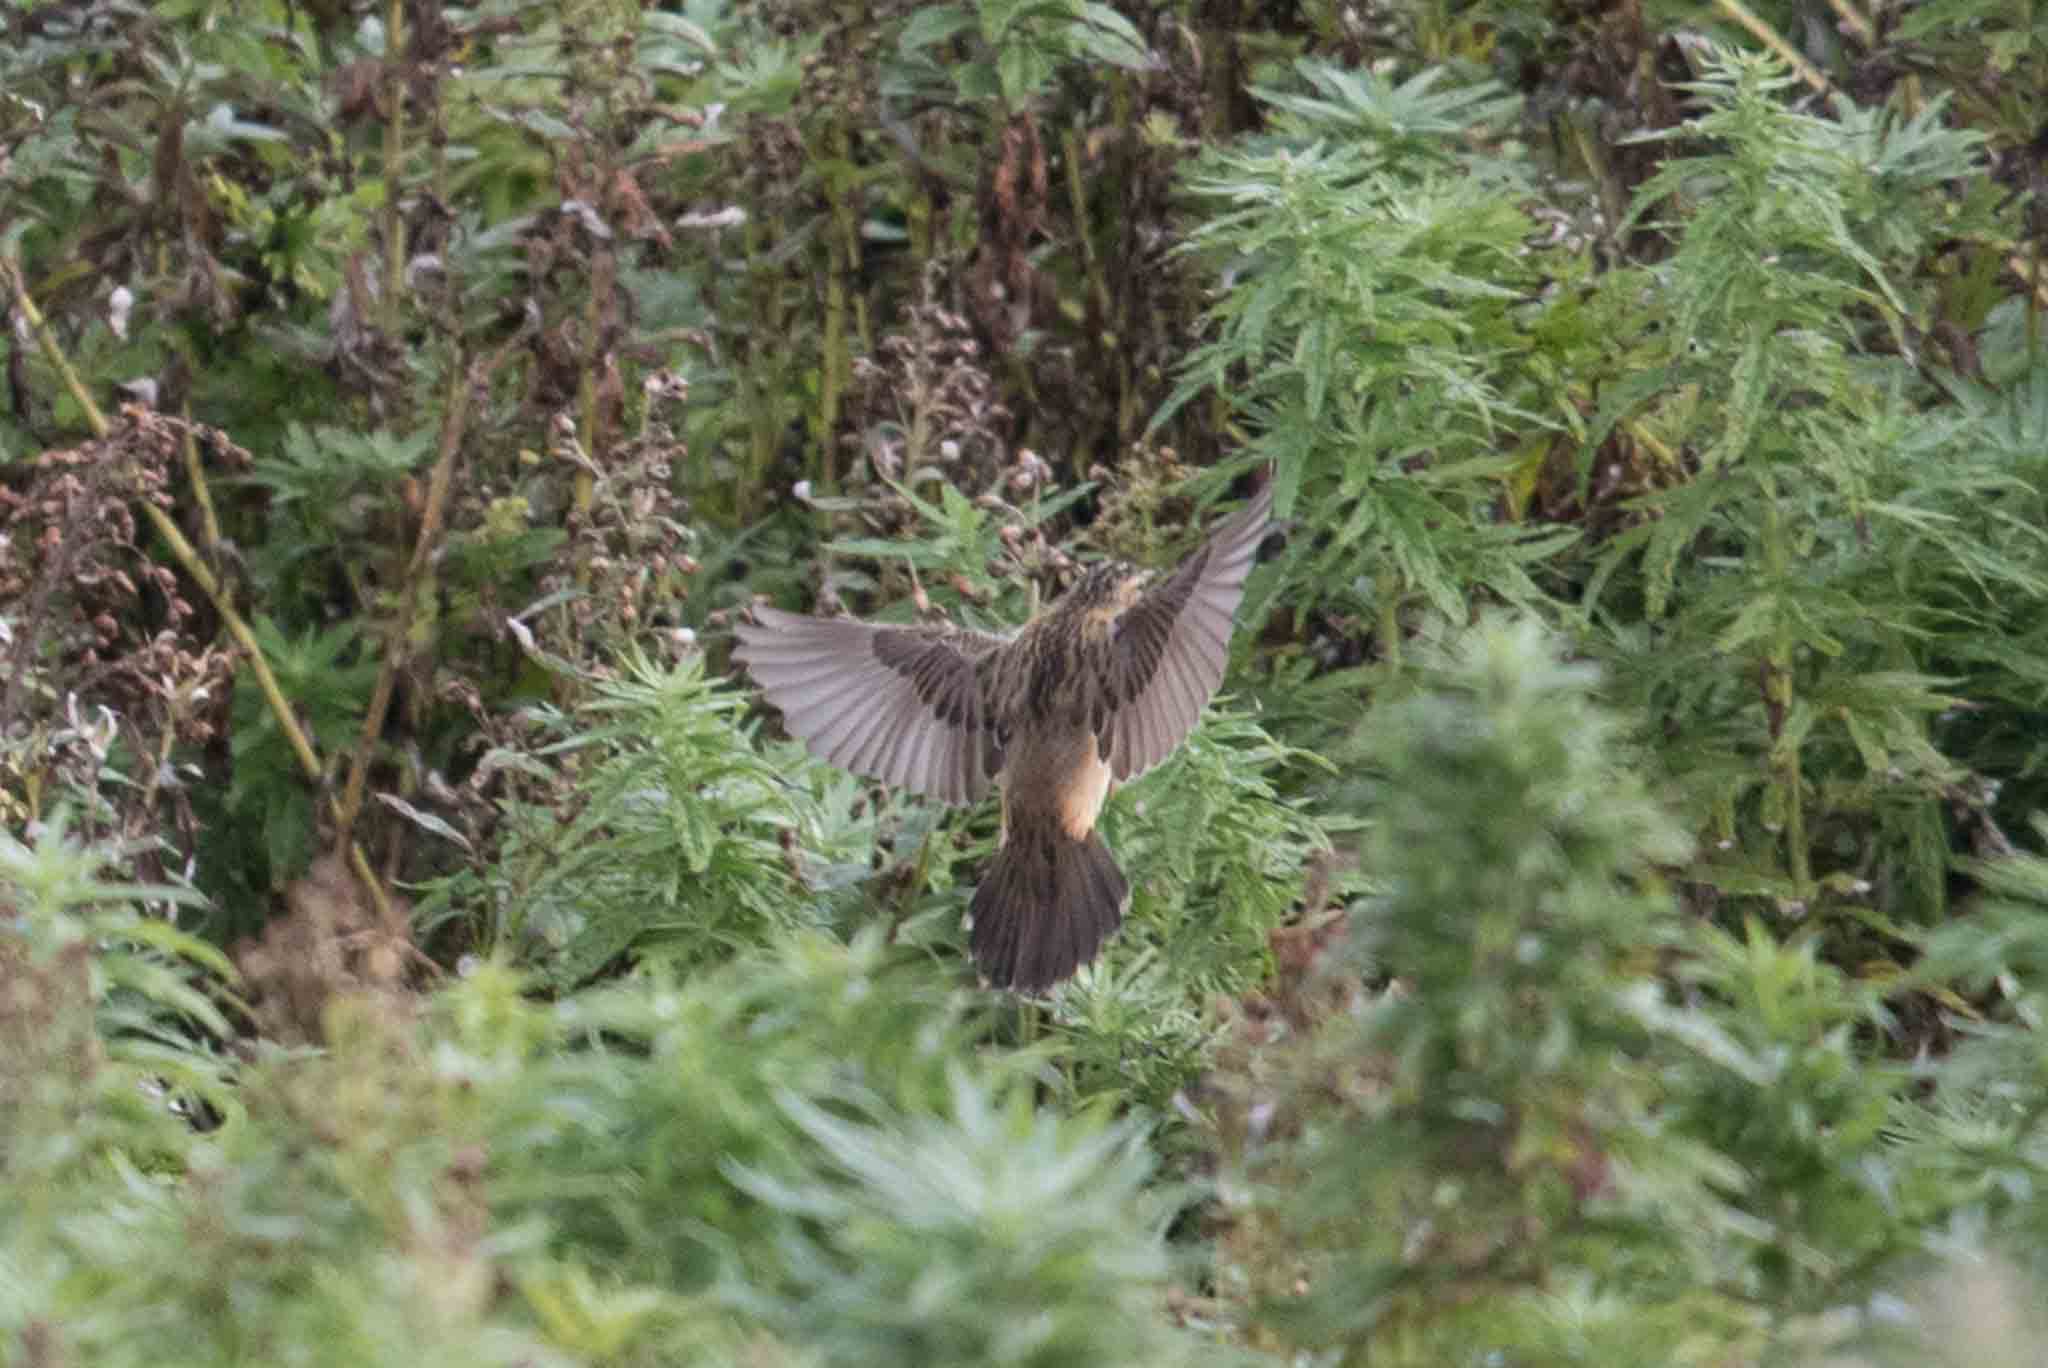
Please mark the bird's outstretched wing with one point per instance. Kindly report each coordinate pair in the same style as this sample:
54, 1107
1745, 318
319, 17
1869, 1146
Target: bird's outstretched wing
1166, 654
899, 704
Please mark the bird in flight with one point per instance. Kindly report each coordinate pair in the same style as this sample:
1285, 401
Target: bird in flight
1092, 692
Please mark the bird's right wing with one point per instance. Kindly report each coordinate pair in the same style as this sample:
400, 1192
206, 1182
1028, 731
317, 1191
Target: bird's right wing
900, 704
1170, 647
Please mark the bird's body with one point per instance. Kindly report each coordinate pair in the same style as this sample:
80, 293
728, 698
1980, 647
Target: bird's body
1098, 688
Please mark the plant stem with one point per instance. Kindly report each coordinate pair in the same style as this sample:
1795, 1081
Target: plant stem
842, 258
1779, 693
17, 285
209, 522
761, 433
1388, 594
452, 423
1775, 41
394, 156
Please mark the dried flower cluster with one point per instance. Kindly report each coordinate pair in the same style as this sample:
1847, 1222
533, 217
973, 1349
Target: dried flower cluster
627, 541
927, 400
100, 642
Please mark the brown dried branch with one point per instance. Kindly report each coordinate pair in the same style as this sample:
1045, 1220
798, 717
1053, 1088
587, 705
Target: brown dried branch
468, 379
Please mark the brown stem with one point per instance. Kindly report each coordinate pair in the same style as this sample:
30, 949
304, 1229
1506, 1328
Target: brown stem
10, 275
842, 259
1853, 21
394, 157
209, 521
453, 422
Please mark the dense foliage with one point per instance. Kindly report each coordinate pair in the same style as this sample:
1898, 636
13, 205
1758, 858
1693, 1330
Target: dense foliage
1603, 921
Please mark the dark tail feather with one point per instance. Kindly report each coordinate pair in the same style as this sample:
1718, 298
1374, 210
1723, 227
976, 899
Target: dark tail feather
1045, 905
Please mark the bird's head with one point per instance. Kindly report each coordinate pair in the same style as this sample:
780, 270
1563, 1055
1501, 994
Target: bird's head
1104, 590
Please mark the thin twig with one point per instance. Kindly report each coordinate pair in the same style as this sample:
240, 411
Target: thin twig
208, 520
1859, 28
468, 378
17, 285
394, 158
1773, 40
351, 803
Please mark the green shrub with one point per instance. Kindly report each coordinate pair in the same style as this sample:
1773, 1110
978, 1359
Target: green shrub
653, 1172
110, 1012
1467, 1156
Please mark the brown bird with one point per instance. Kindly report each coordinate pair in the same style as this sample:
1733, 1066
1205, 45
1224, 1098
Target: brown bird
1097, 689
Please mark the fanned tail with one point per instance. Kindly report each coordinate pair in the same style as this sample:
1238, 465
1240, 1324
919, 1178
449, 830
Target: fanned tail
1046, 904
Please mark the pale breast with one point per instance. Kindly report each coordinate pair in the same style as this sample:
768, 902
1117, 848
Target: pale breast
1081, 801
1057, 774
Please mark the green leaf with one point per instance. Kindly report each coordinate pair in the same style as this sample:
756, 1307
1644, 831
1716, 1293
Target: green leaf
1104, 34
930, 25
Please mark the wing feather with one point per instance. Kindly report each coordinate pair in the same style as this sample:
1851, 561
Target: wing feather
1169, 650
908, 720
860, 746
899, 704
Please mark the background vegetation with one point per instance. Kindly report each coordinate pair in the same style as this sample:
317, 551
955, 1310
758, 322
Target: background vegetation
1606, 921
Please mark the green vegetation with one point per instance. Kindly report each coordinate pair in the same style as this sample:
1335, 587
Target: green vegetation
1604, 921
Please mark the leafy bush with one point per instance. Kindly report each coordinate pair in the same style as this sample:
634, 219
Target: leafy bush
1805, 587
111, 1012
1461, 1157
645, 820
1215, 860
1579, 1122
656, 1172
985, 1235
1374, 310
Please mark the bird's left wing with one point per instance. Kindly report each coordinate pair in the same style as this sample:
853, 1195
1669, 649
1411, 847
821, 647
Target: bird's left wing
899, 704
1166, 655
